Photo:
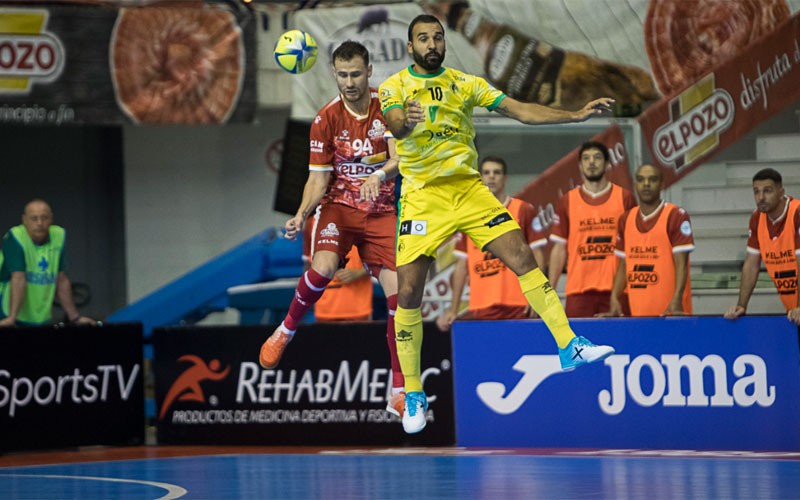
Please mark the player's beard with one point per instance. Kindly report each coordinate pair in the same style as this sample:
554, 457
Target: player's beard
595, 177
428, 65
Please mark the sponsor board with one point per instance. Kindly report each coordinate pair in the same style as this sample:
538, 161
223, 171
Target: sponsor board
687, 128
330, 388
673, 383
71, 386
94, 64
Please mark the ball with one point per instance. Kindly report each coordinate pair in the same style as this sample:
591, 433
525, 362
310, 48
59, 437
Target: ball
296, 51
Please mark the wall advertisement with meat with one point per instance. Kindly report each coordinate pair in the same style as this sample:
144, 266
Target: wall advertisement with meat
87, 64
703, 72
702, 117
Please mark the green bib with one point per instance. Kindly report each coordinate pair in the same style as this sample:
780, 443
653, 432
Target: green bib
41, 271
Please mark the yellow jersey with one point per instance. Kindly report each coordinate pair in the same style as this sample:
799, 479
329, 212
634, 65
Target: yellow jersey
444, 144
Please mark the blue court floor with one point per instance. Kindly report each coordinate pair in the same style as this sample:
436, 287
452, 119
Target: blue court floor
414, 473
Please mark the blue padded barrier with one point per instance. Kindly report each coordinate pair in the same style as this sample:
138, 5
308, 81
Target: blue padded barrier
189, 298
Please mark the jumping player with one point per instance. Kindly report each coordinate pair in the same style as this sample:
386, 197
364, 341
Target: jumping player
428, 109
348, 145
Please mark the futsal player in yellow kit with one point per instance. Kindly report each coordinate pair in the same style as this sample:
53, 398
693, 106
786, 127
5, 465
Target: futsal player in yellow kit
428, 109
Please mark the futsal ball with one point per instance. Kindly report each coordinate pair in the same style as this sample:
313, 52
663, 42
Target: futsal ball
296, 51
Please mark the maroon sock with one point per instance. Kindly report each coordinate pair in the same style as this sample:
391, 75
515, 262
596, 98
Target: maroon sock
397, 372
308, 292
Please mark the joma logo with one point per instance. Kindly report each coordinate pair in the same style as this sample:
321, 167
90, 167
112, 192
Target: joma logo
749, 387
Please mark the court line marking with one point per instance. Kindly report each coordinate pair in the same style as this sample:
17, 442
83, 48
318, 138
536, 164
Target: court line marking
173, 491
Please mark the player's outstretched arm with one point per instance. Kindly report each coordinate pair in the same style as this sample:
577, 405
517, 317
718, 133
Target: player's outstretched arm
19, 282
558, 257
675, 306
458, 280
64, 294
615, 307
750, 270
794, 315
314, 190
532, 114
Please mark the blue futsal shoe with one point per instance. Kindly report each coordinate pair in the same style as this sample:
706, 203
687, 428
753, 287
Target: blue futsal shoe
580, 351
414, 414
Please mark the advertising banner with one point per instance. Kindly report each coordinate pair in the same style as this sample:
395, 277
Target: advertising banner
87, 64
525, 67
71, 386
382, 29
329, 389
673, 383
706, 72
697, 122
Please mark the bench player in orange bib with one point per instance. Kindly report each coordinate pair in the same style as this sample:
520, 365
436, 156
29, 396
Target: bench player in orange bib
775, 239
653, 244
583, 234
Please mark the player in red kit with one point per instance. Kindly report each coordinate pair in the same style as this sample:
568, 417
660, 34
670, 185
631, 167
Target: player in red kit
355, 205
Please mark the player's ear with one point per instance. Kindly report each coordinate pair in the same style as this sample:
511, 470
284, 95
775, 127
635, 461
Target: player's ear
369, 71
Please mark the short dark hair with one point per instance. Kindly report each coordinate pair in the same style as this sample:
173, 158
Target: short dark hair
495, 159
769, 174
657, 169
350, 49
594, 145
422, 19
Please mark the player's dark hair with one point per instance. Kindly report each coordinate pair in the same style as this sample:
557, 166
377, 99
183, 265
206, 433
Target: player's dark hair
769, 174
594, 145
422, 19
658, 170
495, 159
350, 49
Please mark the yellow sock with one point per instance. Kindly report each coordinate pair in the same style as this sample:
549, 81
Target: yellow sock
408, 335
544, 300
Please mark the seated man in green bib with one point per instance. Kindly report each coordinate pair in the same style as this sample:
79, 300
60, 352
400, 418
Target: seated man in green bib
32, 271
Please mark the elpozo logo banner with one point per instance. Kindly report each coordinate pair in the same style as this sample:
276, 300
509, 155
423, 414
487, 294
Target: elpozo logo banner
29, 53
692, 125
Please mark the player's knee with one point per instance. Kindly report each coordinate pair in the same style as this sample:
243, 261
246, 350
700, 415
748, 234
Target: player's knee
408, 297
521, 261
325, 269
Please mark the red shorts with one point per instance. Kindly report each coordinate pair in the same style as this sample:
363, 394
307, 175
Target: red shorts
338, 227
501, 312
587, 304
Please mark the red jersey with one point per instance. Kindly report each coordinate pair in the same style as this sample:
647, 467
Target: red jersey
351, 146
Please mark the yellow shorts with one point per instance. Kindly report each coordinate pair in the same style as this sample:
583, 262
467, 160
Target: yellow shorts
430, 215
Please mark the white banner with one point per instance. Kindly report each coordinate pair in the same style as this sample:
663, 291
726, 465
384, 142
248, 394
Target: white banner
382, 29
556, 52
